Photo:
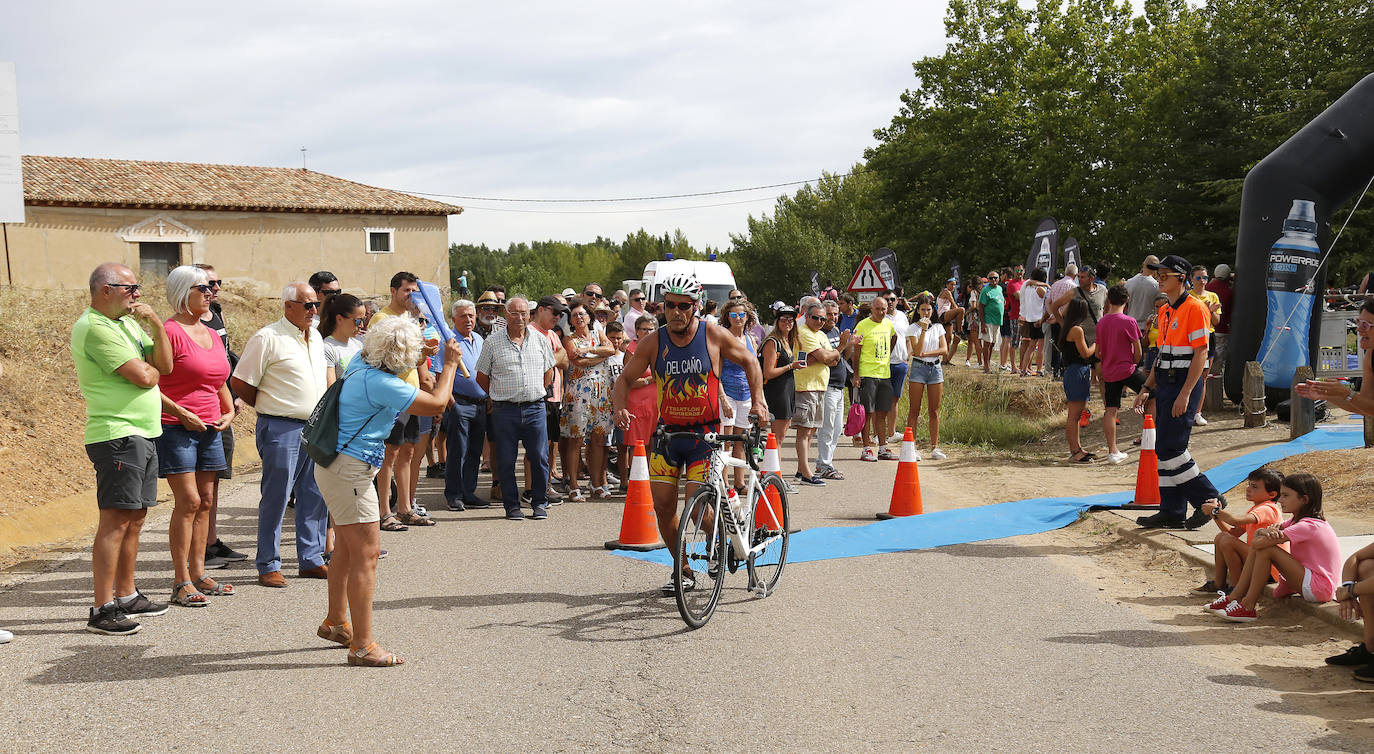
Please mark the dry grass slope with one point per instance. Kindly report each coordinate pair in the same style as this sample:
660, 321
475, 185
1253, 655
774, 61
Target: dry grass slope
42, 414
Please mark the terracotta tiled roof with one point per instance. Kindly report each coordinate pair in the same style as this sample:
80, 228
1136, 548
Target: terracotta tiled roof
86, 182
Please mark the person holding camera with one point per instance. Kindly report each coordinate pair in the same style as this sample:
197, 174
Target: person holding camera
810, 381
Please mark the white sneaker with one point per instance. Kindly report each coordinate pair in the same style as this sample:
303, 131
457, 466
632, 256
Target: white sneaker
938, 455
895, 439
968, 363
6, 637
1199, 421
1116, 458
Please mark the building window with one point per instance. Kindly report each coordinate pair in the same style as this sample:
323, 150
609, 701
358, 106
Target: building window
381, 240
158, 258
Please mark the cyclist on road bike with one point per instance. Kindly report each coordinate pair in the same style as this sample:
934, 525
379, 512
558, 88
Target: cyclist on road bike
686, 363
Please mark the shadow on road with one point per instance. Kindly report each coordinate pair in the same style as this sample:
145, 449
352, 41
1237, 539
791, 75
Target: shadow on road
125, 662
606, 617
1309, 691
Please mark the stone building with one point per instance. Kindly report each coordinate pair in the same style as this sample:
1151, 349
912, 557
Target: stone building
260, 227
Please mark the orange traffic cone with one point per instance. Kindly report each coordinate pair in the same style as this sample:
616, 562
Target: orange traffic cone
906, 490
638, 525
1147, 474
772, 464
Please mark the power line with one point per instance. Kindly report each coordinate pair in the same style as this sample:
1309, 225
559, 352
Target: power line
623, 198
615, 211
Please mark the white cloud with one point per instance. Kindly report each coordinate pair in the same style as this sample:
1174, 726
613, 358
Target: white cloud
530, 100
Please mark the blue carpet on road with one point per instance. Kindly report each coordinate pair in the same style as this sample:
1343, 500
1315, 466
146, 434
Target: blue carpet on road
952, 527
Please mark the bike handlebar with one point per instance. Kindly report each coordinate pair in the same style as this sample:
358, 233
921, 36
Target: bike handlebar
752, 439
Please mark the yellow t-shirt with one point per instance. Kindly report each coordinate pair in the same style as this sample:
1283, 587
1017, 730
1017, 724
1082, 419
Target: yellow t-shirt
816, 376
1208, 298
411, 377
875, 352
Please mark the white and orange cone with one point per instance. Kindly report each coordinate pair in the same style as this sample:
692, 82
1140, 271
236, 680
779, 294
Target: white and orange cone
1147, 473
638, 525
906, 489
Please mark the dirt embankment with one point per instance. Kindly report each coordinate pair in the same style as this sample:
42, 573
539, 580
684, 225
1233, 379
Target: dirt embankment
43, 416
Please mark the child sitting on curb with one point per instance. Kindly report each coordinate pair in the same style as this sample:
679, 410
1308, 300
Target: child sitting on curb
1356, 598
1232, 544
1313, 564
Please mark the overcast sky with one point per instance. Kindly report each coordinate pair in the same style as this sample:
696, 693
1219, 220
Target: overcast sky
519, 99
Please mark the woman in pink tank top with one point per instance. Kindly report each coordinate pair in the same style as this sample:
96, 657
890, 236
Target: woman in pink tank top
196, 407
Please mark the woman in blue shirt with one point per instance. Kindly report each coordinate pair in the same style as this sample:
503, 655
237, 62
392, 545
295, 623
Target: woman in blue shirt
369, 401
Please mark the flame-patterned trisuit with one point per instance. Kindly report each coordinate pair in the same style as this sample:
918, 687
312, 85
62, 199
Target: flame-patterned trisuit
689, 399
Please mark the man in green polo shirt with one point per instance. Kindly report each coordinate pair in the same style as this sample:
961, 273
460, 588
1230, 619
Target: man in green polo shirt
118, 367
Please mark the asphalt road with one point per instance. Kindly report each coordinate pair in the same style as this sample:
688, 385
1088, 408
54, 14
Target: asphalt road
530, 636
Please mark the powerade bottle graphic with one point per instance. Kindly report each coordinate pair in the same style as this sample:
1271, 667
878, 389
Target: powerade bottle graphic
1293, 262
1042, 259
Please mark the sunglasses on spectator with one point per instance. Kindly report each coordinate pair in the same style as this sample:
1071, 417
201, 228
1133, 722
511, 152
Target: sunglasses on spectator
358, 322
203, 288
738, 315
1200, 277
1363, 325
636, 298
682, 306
593, 294
308, 304
214, 283
815, 318
130, 287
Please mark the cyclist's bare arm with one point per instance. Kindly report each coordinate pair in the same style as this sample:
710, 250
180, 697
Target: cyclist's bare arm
635, 366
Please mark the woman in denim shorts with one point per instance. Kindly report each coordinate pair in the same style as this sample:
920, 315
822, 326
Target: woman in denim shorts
196, 408
1078, 358
928, 344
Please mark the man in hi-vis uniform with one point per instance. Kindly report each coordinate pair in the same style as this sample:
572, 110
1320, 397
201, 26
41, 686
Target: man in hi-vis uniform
1176, 381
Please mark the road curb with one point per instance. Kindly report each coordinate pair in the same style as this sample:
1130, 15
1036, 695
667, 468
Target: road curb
1123, 524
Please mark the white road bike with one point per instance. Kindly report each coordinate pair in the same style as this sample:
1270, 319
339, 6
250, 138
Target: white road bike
720, 531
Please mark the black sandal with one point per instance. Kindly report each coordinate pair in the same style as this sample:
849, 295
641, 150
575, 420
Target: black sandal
391, 523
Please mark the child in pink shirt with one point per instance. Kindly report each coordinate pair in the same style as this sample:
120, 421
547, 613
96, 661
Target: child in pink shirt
1312, 565
1232, 543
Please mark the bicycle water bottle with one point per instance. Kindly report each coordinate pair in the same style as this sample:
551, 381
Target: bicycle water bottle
1293, 263
735, 525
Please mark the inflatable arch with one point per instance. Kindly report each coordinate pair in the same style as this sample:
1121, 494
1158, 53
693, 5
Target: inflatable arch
1285, 213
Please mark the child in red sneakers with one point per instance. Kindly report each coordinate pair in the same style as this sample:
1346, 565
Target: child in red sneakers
1232, 544
1313, 564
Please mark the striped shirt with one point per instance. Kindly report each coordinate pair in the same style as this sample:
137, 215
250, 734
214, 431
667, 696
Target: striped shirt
1182, 331
516, 371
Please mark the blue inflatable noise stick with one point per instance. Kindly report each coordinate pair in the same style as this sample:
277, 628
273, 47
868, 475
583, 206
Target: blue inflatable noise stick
428, 301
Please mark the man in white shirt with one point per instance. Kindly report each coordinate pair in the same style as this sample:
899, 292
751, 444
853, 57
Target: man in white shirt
633, 312
281, 373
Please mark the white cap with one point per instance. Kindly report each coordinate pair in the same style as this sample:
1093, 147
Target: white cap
1222, 271
569, 292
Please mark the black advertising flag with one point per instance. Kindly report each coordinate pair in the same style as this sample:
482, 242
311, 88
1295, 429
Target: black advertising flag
1072, 254
1044, 248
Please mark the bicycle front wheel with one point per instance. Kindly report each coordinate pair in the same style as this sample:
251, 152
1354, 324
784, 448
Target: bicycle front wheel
771, 520
700, 547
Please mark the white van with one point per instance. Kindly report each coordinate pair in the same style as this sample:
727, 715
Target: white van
715, 277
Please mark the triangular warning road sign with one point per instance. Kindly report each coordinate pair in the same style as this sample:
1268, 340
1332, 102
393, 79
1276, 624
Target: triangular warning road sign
867, 278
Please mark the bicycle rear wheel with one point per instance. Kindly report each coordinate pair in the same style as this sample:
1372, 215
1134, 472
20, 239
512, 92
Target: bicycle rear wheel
700, 546
770, 528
